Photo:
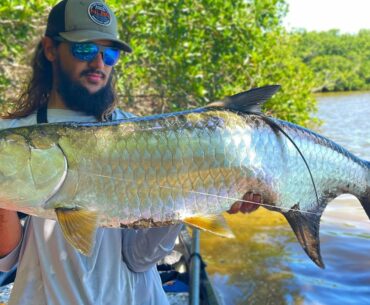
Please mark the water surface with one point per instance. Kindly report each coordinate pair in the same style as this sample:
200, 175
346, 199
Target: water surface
266, 265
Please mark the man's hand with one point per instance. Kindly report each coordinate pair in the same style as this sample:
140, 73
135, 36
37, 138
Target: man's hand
249, 203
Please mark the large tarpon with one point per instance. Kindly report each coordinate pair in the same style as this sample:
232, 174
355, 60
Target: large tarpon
186, 167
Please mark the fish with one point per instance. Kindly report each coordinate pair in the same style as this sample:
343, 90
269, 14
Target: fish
182, 167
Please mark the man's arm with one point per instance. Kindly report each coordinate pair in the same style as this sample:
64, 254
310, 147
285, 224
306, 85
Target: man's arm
10, 231
143, 248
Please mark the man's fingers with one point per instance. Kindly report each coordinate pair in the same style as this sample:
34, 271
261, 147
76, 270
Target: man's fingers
248, 196
248, 207
251, 202
257, 198
235, 208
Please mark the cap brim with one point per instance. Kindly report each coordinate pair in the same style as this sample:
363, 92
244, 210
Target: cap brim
83, 36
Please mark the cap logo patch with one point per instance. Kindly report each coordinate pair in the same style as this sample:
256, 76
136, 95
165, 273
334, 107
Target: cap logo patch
99, 13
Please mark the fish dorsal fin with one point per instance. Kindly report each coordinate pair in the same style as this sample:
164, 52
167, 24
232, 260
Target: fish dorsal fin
215, 224
248, 101
306, 227
79, 228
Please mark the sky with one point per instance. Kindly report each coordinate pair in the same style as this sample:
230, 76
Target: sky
348, 16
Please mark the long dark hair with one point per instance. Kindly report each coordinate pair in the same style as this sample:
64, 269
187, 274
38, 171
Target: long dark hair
36, 94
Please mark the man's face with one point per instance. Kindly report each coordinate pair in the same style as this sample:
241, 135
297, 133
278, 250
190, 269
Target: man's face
84, 86
93, 75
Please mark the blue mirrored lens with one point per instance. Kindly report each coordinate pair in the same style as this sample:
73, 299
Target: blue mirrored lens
111, 56
85, 51
88, 51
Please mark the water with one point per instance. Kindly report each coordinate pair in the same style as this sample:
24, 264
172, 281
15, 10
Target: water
347, 120
266, 265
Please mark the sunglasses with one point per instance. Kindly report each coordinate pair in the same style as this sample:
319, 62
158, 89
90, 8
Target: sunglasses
87, 51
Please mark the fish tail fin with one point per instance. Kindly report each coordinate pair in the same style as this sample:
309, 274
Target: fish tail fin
306, 224
365, 198
365, 202
306, 227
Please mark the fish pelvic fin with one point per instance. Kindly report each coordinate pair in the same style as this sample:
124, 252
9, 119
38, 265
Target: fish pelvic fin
79, 228
248, 101
215, 224
306, 228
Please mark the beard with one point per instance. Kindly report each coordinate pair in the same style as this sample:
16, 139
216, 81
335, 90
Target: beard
76, 97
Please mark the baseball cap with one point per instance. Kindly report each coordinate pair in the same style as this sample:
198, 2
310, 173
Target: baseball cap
84, 20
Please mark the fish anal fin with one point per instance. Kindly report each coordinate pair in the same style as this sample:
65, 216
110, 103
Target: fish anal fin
306, 227
215, 224
78, 227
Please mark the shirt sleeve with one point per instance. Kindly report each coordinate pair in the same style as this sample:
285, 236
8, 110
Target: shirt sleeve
142, 249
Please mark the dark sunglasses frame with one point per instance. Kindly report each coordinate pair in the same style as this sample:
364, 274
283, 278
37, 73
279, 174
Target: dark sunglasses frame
101, 49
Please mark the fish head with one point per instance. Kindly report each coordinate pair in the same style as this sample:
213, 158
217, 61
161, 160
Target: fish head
29, 173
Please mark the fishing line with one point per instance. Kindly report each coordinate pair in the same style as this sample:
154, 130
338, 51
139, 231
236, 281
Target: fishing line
247, 201
200, 193
174, 188
273, 124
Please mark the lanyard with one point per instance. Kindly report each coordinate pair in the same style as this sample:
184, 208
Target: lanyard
42, 114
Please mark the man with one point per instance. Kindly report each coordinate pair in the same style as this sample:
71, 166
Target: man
73, 80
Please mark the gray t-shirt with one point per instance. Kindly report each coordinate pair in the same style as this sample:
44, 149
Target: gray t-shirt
121, 270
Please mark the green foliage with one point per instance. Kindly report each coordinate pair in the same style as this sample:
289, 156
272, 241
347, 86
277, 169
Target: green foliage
188, 53
21, 22
340, 61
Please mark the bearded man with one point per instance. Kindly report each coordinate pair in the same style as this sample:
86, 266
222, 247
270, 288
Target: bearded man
73, 80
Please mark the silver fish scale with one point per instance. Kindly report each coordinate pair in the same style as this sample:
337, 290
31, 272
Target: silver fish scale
162, 170
158, 170
162, 174
333, 170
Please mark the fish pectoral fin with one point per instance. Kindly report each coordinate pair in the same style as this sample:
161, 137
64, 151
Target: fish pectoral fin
215, 224
306, 227
78, 227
